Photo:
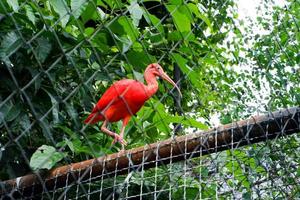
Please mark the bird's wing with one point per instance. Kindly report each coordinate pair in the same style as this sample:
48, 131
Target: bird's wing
112, 95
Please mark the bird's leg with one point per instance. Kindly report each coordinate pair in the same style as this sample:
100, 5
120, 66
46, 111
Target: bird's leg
117, 138
122, 135
125, 122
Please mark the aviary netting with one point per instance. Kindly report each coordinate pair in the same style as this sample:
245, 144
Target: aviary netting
233, 134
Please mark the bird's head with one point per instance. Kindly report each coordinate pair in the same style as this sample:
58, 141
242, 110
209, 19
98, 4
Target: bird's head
157, 70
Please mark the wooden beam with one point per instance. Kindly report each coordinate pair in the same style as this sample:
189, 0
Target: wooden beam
234, 135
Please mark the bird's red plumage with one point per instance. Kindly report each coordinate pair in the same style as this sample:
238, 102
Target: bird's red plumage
123, 98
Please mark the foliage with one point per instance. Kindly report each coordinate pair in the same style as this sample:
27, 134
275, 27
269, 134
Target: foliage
58, 56
276, 54
45, 157
54, 65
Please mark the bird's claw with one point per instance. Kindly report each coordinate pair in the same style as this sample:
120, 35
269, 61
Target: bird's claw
119, 139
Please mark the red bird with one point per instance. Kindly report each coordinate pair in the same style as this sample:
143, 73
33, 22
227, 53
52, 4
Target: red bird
125, 98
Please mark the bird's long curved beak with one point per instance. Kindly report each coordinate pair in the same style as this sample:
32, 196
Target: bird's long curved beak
167, 78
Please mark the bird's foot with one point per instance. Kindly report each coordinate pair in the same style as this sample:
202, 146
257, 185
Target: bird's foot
120, 139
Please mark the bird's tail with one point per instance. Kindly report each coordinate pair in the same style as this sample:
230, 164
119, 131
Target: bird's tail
93, 118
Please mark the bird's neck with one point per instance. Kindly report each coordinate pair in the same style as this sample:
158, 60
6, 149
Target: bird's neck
152, 85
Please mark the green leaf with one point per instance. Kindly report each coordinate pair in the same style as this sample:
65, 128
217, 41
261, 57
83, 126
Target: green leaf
196, 11
191, 74
176, 36
14, 4
13, 113
45, 157
247, 195
124, 43
10, 43
70, 145
77, 147
30, 13
181, 18
101, 40
144, 113
115, 4
138, 76
77, 7
89, 31
139, 59
25, 122
68, 131
43, 49
10, 111
38, 79
152, 20
175, 2
61, 8
190, 122
91, 13
55, 106
72, 112
124, 26
160, 119
136, 12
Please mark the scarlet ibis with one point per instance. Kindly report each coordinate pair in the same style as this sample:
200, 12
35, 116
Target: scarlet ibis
125, 98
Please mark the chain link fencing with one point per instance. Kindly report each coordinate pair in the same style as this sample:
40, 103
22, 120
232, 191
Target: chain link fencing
58, 57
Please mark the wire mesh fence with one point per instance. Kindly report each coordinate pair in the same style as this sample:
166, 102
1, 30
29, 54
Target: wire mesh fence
61, 180
58, 57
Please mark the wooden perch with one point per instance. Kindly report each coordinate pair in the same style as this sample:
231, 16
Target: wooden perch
230, 136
